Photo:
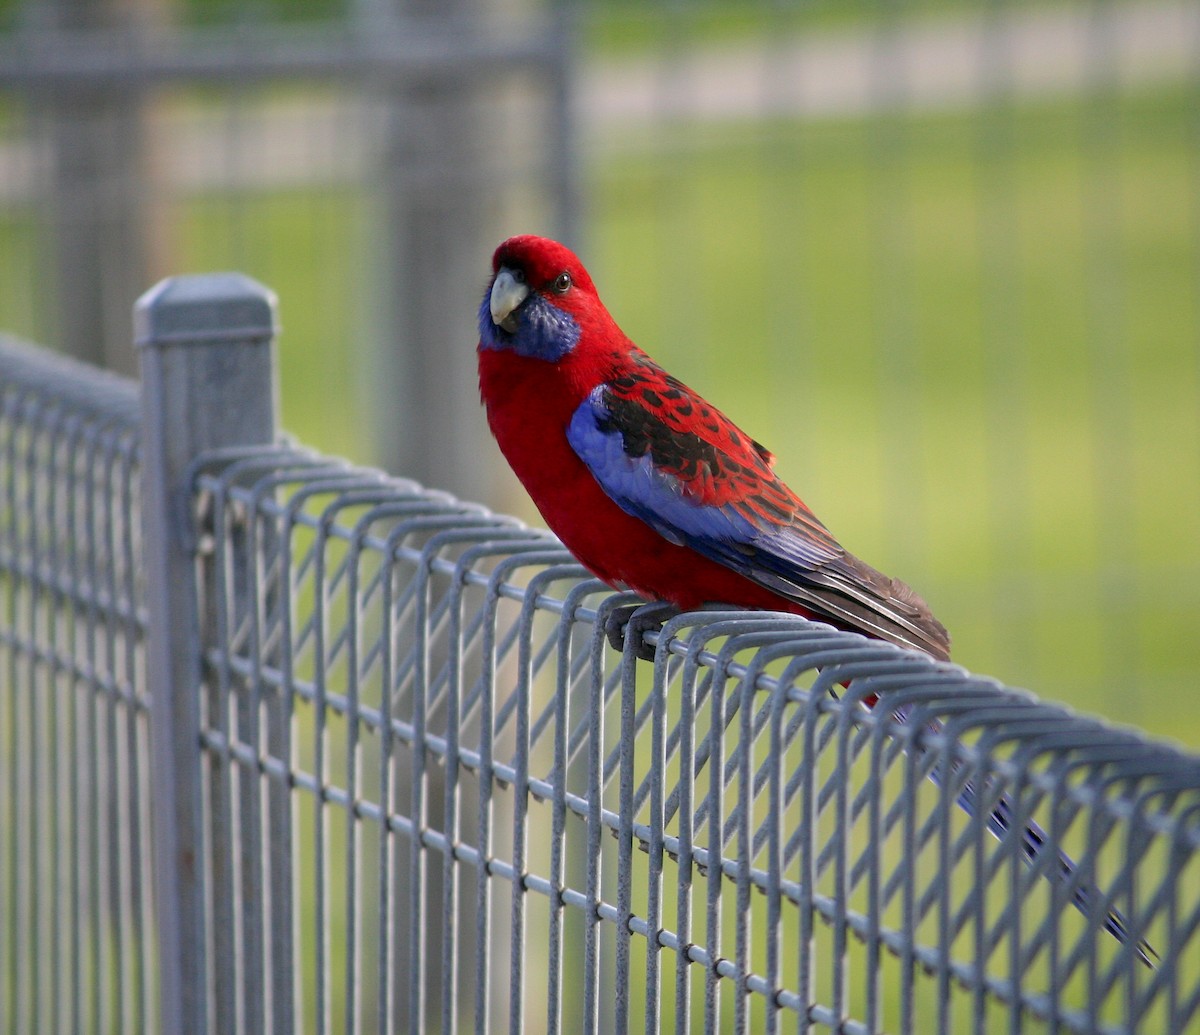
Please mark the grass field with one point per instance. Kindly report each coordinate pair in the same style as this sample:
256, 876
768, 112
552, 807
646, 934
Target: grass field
972, 343
970, 338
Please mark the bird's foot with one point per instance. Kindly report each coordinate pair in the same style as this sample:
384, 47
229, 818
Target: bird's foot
628, 625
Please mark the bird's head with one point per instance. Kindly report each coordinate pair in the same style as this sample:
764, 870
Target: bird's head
538, 299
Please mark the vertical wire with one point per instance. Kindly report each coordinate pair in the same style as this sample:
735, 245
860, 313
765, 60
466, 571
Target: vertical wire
558, 813
117, 826
558, 836
1055, 956
8, 719
625, 838
37, 691
1016, 895
687, 847
876, 838
223, 902
716, 849
520, 833
745, 851
487, 785
595, 827
323, 1009
74, 851
284, 962
944, 876
908, 867
1092, 974
93, 863
136, 740
810, 816
654, 870
776, 751
24, 745
31, 946
452, 803
840, 837
353, 718
388, 632
248, 593
980, 881
56, 650
418, 861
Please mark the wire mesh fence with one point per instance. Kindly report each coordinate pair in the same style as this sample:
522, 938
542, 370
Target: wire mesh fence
76, 910
493, 821
402, 782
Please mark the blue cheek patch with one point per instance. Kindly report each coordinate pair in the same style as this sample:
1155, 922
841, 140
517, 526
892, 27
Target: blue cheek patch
543, 330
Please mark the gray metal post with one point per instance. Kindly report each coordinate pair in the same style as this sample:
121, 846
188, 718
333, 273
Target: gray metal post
440, 185
438, 243
208, 382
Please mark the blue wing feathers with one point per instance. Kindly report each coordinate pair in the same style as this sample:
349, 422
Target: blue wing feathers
660, 498
640, 488
669, 478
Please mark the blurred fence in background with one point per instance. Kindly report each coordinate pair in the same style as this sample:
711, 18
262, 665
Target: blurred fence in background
943, 258
346, 152
398, 781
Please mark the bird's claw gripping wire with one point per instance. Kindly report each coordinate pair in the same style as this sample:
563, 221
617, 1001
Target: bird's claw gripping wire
628, 625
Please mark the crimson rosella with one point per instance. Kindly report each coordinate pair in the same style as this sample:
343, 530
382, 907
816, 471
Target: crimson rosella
655, 489
651, 487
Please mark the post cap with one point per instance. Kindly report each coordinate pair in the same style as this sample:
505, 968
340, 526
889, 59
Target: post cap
204, 307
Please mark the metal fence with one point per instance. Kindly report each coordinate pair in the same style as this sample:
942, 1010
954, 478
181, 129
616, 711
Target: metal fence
400, 782
76, 912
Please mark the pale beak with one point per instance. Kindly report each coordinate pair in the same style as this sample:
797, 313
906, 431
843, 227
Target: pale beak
507, 294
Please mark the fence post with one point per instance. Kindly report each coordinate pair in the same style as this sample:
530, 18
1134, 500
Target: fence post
208, 382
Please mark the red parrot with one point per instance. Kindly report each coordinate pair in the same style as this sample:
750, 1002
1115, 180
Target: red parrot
654, 489
651, 487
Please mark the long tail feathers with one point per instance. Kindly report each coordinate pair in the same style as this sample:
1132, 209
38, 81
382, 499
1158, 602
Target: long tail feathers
1034, 843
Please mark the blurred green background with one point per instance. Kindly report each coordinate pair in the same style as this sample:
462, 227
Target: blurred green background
943, 258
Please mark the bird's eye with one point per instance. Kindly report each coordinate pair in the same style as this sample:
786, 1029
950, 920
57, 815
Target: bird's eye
562, 283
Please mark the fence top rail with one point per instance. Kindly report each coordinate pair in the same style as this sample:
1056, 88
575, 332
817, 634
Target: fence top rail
978, 721
390, 47
68, 384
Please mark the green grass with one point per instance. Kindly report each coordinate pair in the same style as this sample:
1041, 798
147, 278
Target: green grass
308, 246
621, 26
981, 374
